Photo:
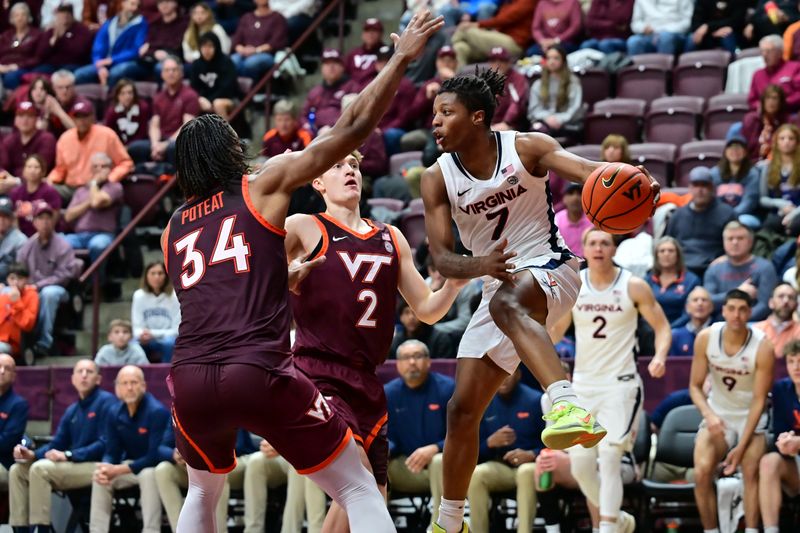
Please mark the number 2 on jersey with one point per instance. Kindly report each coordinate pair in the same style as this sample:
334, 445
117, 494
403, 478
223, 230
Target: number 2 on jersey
229, 247
502, 214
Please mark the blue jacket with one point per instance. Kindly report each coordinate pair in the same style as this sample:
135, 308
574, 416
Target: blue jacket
80, 427
785, 407
673, 400
417, 417
13, 417
244, 444
683, 339
523, 413
138, 438
126, 47
673, 298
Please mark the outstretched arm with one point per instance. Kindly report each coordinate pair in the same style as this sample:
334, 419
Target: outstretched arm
429, 306
272, 187
542, 151
646, 303
442, 242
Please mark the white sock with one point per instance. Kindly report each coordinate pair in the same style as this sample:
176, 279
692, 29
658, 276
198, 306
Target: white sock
715, 530
451, 515
608, 527
554, 528
771, 529
751, 530
561, 391
595, 530
199, 509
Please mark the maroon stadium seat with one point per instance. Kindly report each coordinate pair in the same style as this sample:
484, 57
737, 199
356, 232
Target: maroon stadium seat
96, 94
245, 84
146, 89
673, 119
658, 158
392, 204
620, 116
715, 57
701, 73
138, 189
416, 206
646, 78
595, 83
723, 111
413, 227
696, 154
748, 52
587, 151
398, 161
634, 106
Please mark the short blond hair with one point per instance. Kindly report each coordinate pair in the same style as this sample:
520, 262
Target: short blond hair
120, 323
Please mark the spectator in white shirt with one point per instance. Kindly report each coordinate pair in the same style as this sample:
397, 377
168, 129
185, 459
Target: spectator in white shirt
156, 314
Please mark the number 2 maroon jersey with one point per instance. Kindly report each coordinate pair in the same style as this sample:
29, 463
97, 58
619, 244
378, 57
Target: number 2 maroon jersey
346, 306
228, 265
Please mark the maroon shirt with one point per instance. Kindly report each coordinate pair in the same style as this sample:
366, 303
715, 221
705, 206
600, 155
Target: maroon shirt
422, 107
513, 105
246, 283
26, 53
274, 144
130, 124
609, 19
346, 308
396, 116
166, 36
256, 31
23, 201
360, 62
170, 108
326, 100
72, 48
42, 143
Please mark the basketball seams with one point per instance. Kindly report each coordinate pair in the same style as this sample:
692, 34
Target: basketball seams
595, 212
613, 193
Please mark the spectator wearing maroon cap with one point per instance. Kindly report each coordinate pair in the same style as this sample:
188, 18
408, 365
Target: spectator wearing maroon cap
608, 25
76, 146
513, 105
116, 46
68, 43
258, 36
509, 28
360, 62
556, 22
21, 46
716, 24
173, 106
33, 188
287, 133
25, 140
324, 102
419, 112
164, 35
127, 114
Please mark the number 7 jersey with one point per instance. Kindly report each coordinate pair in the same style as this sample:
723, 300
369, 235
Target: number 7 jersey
512, 204
229, 269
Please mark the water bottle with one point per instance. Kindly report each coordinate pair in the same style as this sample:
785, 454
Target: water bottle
312, 119
545, 478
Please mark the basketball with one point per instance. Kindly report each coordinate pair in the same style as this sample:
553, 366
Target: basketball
617, 198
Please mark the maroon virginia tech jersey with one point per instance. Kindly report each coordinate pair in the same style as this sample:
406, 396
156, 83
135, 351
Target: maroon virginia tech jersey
228, 265
345, 310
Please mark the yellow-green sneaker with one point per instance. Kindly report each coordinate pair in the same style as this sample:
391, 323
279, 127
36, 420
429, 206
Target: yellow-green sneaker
571, 425
439, 529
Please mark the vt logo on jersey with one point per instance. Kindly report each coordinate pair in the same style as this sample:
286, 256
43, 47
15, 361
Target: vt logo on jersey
373, 261
499, 198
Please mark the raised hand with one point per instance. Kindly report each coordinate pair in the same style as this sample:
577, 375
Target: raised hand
413, 40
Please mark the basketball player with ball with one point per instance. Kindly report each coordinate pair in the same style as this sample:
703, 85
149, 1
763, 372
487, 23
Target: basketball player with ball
494, 185
605, 376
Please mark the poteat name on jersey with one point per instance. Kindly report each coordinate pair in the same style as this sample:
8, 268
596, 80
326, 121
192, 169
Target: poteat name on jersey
494, 200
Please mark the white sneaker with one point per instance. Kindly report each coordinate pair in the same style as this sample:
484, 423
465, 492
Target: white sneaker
627, 523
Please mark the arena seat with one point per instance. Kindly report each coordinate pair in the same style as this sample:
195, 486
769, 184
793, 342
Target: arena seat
695, 154
723, 111
673, 119
702, 78
146, 89
647, 78
392, 204
595, 84
634, 106
587, 151
413, 227
659, 158
598, 126
138, 189
398, 161
96, 94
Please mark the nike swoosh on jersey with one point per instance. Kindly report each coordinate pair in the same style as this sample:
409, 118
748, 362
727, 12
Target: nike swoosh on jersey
462, 193
336, 239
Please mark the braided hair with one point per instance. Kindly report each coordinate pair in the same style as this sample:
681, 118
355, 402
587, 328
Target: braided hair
209, 156
478, 92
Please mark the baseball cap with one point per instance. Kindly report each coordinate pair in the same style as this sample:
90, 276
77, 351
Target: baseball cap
384, 53
331, 54
498, 53
373, 24
82, 106
26, 107
6, 207
734, 139
446, 51
700, 175
40, 206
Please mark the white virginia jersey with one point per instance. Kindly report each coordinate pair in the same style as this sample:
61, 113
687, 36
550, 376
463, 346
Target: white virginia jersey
512, 204
733, 376
605, 332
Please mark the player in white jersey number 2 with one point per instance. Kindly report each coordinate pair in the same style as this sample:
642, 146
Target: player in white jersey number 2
605, 377
494, 185
740, 360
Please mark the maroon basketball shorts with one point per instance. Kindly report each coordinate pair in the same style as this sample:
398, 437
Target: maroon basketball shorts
211, 402
357, 396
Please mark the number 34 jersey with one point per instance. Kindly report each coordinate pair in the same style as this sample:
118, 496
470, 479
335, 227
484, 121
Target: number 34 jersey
346, 306
511, 205
732, 376
605, 332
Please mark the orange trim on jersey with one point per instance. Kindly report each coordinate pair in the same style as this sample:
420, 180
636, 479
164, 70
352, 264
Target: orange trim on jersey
362, 236
394, 240
375, 430
324, 231
164, 243
253, 211
339, 449
200, 452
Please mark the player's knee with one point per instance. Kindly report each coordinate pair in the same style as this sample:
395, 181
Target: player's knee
703, 472
770, 464
610, 459
503, 308
461, 414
